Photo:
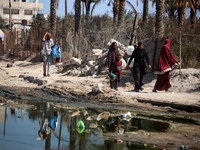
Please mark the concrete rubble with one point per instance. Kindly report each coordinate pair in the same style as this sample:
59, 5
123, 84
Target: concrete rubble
93, 63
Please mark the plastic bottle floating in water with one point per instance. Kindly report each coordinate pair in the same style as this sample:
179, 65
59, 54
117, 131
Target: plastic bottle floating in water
80, 127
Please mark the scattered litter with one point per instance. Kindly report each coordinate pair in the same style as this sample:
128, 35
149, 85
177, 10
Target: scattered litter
118, 140
183, 146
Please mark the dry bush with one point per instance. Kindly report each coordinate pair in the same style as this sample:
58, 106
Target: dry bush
96, 34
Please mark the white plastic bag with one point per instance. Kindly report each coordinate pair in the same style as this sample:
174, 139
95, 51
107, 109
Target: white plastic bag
130, 50
131, 64
123, 63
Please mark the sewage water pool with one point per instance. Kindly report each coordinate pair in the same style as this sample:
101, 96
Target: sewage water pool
42, 125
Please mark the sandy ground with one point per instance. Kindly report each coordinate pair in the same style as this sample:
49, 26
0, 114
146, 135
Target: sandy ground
185, 90
27, 77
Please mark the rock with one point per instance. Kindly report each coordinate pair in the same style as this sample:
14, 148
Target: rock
97, 88
75, 72
72, 61
86, 70
122, 53
67, 63
104, 72
97, 51
92, 57
103, 115
91, 63
84, 112
127, 84
76, 114
76, 61
119, 45
93, 125
103, 54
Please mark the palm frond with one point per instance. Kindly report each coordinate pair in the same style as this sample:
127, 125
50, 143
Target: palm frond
129, 3
94, 7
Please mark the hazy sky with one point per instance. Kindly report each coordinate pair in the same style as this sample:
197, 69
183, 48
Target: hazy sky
102, 8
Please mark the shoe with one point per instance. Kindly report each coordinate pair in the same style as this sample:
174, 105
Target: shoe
48, 75
141, 88
136, 90
44, 74
154, 91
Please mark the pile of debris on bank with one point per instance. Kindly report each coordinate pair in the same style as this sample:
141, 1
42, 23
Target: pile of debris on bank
93, 63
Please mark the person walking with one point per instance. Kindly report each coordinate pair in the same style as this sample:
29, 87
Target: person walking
46, 51
166, 64
139, 56
111, 57
117, 70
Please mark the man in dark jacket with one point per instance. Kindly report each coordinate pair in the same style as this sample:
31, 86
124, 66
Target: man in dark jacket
139, 56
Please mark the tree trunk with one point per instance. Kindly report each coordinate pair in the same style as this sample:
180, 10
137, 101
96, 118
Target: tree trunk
193, 16
121, 12
145, 11
65, 12
77, 15
87, 6
53, 18
115, 11
181, 15
159, 18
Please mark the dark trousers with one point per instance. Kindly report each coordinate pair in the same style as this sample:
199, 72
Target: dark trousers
114, 84
138, 77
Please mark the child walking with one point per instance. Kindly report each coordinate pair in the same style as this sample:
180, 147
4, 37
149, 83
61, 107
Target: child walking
117, 70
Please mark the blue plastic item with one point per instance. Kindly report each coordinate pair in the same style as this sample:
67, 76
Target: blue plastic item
112, 76
55, 53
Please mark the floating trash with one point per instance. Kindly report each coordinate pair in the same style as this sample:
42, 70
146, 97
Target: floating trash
80, 127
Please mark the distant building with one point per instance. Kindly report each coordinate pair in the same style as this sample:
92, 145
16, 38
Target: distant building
20, 9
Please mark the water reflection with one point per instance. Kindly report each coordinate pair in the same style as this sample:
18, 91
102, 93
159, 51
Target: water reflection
42, 125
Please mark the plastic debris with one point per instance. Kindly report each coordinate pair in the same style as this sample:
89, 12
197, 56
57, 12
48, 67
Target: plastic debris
80, 127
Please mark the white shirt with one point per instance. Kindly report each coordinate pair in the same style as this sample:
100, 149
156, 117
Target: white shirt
46, 50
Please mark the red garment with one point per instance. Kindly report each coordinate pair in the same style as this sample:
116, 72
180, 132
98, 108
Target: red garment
166, 62
162, 82
117, 68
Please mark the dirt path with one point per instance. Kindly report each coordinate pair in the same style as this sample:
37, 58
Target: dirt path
184, 94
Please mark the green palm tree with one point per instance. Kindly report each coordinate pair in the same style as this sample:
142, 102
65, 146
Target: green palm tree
181, 8
88, 7
182, 5
116, 4
159, 18
170, 8
194, 6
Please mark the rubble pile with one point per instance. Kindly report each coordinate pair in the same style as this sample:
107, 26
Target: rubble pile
93, 63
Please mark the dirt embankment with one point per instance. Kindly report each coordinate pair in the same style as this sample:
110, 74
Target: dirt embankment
25, 80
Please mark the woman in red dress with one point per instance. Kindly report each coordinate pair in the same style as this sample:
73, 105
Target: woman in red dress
166, 64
